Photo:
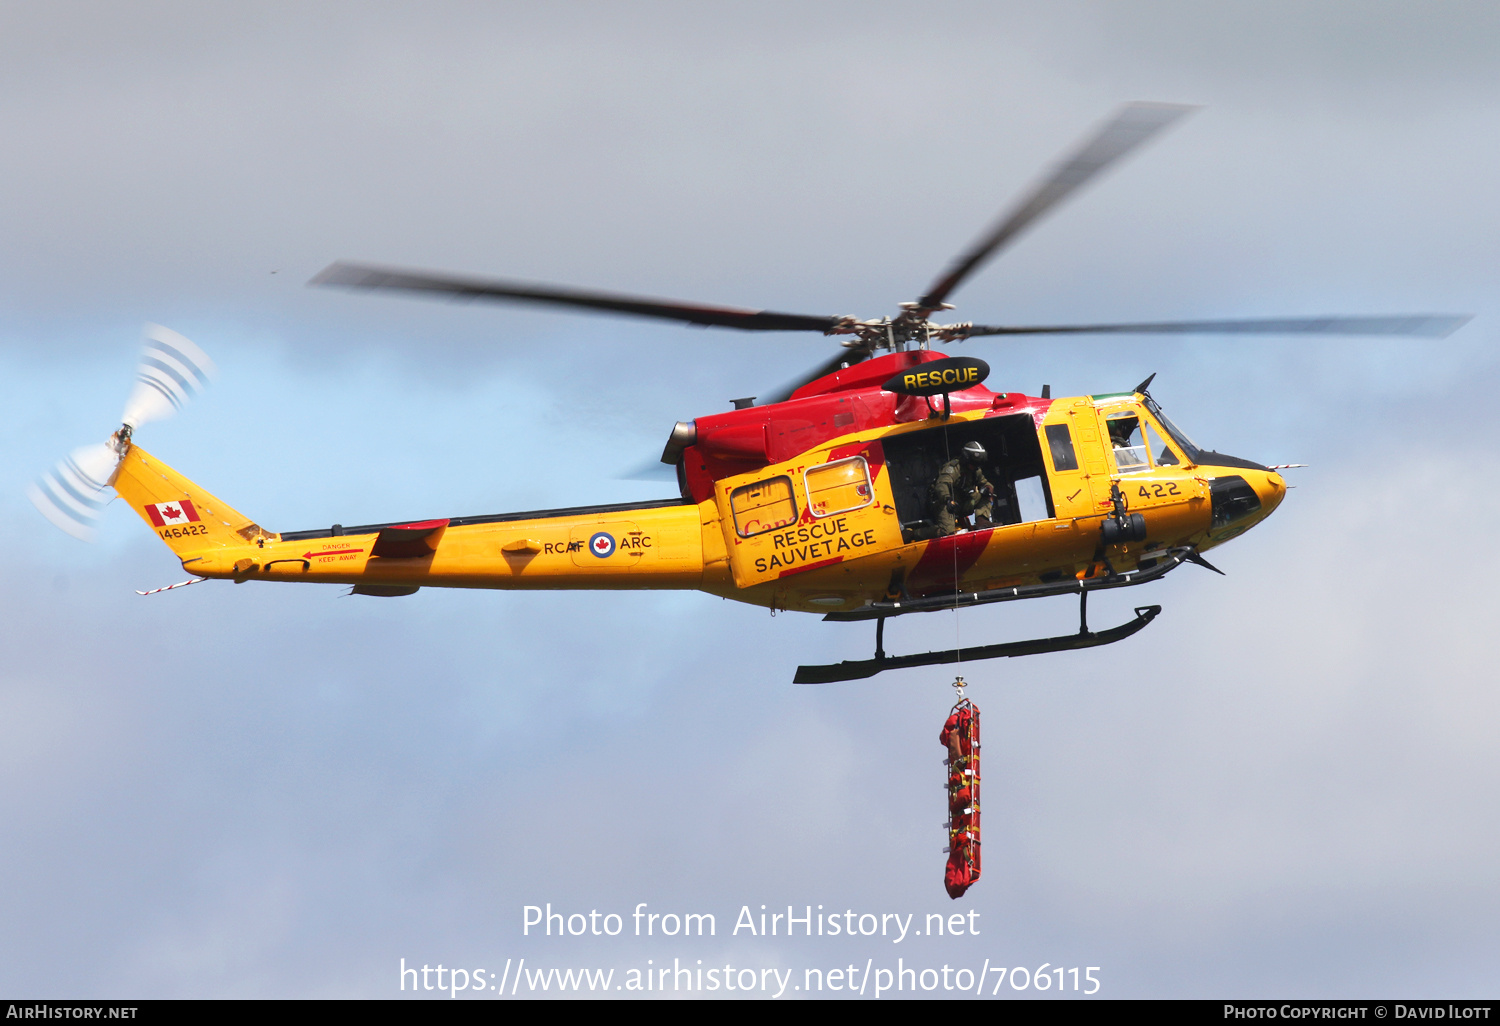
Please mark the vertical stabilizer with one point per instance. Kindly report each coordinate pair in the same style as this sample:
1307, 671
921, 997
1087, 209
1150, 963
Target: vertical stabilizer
187, 518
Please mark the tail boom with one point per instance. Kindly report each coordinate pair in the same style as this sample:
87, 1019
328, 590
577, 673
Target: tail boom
602, 547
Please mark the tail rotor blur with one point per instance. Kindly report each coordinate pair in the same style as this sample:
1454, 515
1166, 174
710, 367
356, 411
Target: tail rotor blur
172, 370
71, 495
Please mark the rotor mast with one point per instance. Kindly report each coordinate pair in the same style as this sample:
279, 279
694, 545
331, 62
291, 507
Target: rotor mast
910, 328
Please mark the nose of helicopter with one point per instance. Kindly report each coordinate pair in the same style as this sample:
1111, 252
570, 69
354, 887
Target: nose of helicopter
1242, 496
1271, 488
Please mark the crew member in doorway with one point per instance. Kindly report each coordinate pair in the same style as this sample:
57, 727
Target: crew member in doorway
961, 489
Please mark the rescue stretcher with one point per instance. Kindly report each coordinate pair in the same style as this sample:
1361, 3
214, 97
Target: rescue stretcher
960, 736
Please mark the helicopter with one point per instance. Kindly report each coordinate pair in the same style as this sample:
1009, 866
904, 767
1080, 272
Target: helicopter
815, 499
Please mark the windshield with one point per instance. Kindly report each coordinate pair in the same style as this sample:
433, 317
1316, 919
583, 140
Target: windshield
1178, 435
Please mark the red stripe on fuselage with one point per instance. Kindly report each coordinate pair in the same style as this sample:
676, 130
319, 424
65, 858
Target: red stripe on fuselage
811, 566
946, 560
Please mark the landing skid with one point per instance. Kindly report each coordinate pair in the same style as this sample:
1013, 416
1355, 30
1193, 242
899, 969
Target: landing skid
859, 669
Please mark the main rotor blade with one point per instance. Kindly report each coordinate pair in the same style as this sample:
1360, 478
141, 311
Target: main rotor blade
1132, 125
652, 469
1420, 325
364, 276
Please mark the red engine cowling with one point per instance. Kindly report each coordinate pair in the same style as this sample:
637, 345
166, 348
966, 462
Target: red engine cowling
961, 737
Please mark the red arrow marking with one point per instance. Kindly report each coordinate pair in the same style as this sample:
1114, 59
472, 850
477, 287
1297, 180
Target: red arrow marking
330, 552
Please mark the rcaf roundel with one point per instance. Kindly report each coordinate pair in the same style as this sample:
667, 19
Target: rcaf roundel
165, 514
602, 544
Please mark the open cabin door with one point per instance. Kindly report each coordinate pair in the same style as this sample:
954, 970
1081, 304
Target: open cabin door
1013, 464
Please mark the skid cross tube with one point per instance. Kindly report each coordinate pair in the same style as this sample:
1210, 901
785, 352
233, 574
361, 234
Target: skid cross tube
859, 669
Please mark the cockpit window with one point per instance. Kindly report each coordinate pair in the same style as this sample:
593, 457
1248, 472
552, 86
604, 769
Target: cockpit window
1129, 445
1162, 452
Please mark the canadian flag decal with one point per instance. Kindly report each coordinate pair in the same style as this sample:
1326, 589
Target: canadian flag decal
165, 514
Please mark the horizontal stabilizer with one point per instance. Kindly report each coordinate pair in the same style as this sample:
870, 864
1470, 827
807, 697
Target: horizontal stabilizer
409, 541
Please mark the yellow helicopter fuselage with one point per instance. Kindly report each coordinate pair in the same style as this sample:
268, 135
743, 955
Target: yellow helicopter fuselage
834, 528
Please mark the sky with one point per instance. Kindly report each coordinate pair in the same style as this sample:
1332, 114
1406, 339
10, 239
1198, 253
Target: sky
1282, 787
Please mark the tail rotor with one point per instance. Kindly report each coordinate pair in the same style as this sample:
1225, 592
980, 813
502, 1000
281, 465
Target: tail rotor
172, 370
71, 495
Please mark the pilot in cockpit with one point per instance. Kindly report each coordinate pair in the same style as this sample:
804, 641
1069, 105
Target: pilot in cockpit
1125, 438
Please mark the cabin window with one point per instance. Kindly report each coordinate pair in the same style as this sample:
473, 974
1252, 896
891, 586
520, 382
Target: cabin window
1031, 499
838, 487
763, 506
1126, 440
1061, 444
